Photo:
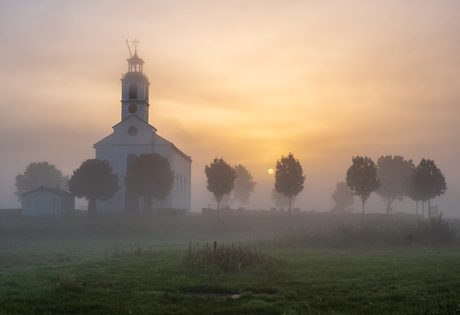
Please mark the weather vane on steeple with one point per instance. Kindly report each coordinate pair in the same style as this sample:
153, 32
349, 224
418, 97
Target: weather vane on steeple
135, 43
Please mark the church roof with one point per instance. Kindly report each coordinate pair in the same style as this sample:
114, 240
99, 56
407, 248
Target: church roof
104, 141
176, 149
139, 120
135, 76
135, 59
134, 117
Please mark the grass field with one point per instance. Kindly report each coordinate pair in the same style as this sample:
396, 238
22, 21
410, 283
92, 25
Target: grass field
308, 264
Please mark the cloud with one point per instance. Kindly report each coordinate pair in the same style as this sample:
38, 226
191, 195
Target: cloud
247, 81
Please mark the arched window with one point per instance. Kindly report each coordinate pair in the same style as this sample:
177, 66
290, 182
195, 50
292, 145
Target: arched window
133, 91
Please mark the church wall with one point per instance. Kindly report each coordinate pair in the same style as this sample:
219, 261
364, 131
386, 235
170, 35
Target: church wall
180, 196
117, 155
182, 173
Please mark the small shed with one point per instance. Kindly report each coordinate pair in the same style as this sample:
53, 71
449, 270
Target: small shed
47, 202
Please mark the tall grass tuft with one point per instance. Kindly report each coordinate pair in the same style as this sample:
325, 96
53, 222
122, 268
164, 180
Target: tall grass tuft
225, 257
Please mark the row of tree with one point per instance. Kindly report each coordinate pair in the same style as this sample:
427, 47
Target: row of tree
393, 178
223, 179
150, 176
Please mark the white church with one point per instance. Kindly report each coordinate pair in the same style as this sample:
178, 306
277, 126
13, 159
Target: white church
133, 136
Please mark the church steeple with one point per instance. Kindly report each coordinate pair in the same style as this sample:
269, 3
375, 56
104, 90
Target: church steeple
135, 89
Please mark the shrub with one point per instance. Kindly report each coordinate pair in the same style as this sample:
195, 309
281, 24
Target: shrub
437, 230
225, 257
347, 235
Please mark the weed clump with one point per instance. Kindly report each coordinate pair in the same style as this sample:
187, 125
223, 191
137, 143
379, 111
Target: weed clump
225, 257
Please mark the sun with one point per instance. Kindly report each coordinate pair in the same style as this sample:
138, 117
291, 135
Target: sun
270, 171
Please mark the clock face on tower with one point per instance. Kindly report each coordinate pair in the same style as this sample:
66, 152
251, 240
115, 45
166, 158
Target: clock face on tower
132, 108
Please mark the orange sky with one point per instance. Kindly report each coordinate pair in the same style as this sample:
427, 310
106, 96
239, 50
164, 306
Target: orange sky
248, 81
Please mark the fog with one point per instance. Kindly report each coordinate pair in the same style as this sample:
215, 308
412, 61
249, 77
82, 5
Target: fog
248, 82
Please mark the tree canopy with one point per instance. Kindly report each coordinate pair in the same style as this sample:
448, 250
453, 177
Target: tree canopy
150, 176
289, 178
281, 200
362, 177
37, 175
221, 179
395, 175
242, 188
343, 198
428, 181
94, 180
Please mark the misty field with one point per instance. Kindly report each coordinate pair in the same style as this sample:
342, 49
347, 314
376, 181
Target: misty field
310, 263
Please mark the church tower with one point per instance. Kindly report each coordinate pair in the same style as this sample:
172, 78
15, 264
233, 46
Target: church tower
133, 136
135, 90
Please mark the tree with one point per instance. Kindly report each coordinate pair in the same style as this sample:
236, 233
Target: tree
395, 175
343, 198
221, 179
289, 177
242, 188
37, 175
280, 200
150, 176
94, 180
428, 182
414, 195
362, 177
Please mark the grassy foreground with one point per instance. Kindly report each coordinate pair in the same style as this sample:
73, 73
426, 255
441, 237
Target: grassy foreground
121, 266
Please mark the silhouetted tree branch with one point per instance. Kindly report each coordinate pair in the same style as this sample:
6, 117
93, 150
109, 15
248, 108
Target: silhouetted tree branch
362, 177
289, 177
221, 178
37, 175
150, 176
94, 180
395, 175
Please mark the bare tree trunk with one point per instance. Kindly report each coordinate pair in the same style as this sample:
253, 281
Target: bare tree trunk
147, 205
290, 198
218, 205
363, 206
429, 209
388, 201
233, 199
92, 208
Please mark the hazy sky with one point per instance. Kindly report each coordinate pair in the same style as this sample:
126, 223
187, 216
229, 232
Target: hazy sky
248, 81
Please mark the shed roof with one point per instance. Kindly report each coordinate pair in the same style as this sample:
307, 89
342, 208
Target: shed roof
54, 191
